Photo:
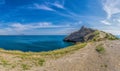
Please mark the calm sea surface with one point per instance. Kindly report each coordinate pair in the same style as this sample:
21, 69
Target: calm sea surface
33, 43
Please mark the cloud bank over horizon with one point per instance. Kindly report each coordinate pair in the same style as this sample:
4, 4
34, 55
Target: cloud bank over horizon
58, 17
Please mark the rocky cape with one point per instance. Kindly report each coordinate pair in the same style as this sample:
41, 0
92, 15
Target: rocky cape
87, 34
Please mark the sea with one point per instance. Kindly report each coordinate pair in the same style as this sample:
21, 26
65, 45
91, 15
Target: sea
33, 43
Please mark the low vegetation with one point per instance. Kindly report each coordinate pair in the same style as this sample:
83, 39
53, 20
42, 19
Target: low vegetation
4, 62
26, 60
100, 35
111, 37
96, 37
104, 65
100, 48
41, 62
61, 52
25, 67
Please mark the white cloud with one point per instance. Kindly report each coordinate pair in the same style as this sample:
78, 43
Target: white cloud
57, 4
111, 7
43, 7
18, 28
22, 27
106, 22
47, 6
50, 6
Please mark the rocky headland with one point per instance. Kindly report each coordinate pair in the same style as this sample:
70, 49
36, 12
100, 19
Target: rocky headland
87, 34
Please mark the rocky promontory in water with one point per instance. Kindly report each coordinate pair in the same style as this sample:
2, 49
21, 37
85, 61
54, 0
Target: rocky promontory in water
88, 34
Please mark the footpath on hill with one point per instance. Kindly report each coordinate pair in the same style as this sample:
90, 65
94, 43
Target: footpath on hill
88, 59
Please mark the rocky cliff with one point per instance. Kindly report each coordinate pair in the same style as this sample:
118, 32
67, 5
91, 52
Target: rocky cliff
87, 34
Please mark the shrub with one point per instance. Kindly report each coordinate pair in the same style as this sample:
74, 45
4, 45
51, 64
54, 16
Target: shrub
41, 62
4, 62
25, 67
100, 48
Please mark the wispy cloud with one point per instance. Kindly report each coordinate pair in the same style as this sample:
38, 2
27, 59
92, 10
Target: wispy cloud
43, 7
106, 22
49, 6
112, 21
112, 8
22, 27
39, 28
18, 28
58, 4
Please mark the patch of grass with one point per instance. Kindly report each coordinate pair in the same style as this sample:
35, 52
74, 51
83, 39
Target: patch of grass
25, 67
54, 53
4, 62
105, 36
105, 66
26, 60
13, 66
60, 52
41, 62
38, 61
96, 37
24, 57
100, 48
111, 37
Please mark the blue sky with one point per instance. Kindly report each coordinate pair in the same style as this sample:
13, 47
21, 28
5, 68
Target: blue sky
58, 17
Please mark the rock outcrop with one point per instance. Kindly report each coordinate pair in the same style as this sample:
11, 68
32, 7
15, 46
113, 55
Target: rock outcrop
87, 34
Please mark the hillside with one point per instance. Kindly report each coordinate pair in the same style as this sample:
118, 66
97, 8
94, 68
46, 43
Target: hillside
87, 34
97, 56
89, 59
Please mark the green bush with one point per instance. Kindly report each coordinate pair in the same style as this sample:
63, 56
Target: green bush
25, 67
41, 62
100, 48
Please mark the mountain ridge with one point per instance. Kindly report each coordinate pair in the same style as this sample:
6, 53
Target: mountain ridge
88, 34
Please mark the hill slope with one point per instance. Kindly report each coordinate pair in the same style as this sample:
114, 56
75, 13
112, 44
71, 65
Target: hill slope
89, 59
87, 34
97, 56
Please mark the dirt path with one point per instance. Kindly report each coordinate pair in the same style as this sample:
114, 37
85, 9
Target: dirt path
88, 59
85, 59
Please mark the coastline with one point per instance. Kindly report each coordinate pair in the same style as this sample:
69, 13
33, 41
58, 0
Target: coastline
31, 61
11, 59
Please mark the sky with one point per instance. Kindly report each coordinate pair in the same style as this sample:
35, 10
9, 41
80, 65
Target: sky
58, 17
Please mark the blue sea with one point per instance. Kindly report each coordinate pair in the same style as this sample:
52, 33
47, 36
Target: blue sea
34, 43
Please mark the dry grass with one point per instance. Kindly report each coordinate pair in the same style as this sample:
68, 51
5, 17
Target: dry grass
26, 60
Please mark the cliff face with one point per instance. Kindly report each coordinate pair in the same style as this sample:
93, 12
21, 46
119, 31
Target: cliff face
87, 34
